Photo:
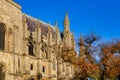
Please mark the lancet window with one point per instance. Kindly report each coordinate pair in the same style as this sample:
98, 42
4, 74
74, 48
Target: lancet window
2, 36
31, 45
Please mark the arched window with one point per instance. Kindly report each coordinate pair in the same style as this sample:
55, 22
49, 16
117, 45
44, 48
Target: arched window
31, 67
31, 46
2, 36
31, 49
43, 69
2, 72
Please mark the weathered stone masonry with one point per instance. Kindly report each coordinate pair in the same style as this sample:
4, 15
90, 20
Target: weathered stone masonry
29, 47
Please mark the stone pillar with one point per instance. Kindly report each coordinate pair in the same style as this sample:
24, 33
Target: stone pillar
25, 36
10, 40
38, 39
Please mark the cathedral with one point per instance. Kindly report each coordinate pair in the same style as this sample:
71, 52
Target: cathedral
29, 47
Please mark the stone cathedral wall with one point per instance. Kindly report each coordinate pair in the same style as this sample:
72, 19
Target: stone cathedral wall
30, 47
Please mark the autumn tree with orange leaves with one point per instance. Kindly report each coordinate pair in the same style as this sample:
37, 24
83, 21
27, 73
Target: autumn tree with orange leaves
85, 64
110, 60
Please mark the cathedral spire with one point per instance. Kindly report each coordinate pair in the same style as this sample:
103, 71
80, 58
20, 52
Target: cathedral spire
66, 22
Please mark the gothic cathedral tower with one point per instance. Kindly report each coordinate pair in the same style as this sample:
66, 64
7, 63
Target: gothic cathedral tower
66, 23
68, 39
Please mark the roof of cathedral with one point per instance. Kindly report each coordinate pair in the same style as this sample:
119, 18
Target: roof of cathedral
32, 22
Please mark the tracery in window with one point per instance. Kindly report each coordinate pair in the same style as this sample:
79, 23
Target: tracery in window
2, 36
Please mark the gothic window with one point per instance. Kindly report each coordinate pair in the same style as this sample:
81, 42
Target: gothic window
31, 46
43, 69
31, 67
2, 72
31, 49
18, 64
2, 36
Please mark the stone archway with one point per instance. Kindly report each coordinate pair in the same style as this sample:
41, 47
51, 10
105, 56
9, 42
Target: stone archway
2, 72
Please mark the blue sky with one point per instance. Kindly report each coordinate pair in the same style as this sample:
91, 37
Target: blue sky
100, 16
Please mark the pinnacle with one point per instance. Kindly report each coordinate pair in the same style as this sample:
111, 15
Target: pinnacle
66, 17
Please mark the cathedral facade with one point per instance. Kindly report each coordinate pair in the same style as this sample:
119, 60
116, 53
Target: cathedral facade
29, 47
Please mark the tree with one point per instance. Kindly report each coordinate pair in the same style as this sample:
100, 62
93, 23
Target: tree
85, 65
110, 60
